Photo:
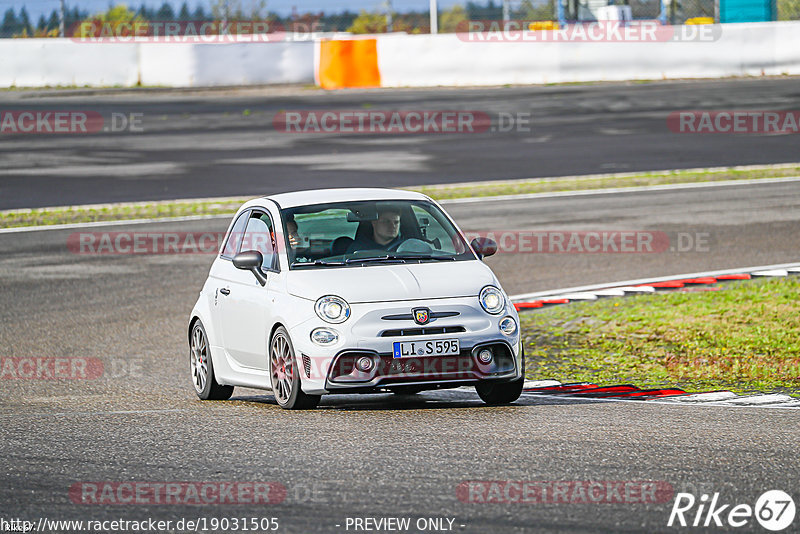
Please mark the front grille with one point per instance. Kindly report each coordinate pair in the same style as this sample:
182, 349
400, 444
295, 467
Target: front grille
410, 316
427, 331
307, 365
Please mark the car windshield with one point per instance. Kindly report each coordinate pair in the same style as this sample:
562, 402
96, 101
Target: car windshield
343, 234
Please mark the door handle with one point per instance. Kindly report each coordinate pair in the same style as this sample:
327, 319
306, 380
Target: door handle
225, 291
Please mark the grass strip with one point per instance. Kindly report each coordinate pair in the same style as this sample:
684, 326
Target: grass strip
605, 181
117, 212
745, 336
182, 208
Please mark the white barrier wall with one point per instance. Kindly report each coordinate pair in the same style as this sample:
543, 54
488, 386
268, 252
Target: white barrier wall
254, 63
445, 59
53, 62
404, 60
42, 62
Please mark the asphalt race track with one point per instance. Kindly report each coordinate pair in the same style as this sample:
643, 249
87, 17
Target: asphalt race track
379, 455
222, 143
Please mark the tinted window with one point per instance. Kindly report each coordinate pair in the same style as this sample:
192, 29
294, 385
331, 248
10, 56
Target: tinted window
235, 237
344, 233
259, 236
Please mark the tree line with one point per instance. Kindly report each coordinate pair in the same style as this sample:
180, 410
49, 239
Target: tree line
19, 24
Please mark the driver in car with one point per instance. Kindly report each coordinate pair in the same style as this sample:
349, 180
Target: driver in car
385, 232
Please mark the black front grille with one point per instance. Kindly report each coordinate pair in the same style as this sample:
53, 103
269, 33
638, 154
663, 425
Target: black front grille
410, 316
426, 331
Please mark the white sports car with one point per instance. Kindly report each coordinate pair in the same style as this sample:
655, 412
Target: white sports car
352, 291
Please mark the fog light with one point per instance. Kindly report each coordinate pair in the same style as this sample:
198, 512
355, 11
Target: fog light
364, 364
485, 356
508, 326
324, 336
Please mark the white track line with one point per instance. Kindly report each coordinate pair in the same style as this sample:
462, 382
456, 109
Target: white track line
577, 296
616, 292
773, 272
112, 223
501, 198
720, 404
710, 398
707, 397
783, 267
540, 383
629, 174
621, 190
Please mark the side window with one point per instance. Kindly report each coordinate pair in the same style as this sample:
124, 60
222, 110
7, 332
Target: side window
259, 235
235, 237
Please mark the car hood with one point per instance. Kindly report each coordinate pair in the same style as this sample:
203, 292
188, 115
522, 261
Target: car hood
392, 282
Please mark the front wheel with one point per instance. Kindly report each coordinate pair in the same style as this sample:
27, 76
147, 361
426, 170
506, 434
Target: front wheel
285, 376
202, 368
503, 393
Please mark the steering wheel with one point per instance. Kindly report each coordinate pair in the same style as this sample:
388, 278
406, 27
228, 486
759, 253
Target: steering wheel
412, 245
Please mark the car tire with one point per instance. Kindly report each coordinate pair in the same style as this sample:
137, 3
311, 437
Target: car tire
201, 367
502, 393
284, 374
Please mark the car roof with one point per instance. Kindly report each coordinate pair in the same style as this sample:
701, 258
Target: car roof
319, 196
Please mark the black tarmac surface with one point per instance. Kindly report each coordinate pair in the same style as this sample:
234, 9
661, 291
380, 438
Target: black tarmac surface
190, 144
370, 456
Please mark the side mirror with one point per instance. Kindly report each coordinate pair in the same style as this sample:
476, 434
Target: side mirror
484, 246
251, 260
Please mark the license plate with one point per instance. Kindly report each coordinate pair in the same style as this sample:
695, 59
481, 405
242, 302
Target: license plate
417, 349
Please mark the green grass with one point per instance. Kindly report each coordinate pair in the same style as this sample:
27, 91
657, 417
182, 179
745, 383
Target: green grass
179, 208
553, 185
144, 210
744, 337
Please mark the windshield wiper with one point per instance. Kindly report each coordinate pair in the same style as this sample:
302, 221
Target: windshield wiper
392, 258
318, 263
426, 257
400, 259
387, 257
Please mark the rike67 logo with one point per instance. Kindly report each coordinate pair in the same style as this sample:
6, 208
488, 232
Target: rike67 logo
774, 510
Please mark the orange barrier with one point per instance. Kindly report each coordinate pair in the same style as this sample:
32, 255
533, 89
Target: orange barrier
539, 25
700, 20
351, 63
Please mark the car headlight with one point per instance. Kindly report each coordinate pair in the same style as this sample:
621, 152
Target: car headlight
508, 326
324, 336
492, 300
332, 309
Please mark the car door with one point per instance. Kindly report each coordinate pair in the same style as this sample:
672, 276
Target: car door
243, 309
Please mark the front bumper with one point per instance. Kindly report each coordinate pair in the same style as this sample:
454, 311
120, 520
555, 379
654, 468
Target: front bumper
368, 333
388, 371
